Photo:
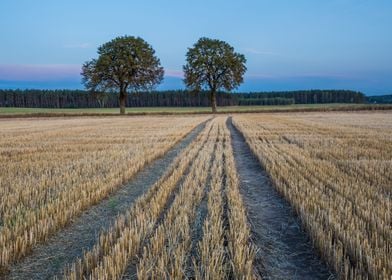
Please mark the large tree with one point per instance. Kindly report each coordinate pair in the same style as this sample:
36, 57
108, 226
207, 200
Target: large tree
213, 64
124, 64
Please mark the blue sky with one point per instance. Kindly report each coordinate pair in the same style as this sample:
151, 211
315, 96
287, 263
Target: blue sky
300, 44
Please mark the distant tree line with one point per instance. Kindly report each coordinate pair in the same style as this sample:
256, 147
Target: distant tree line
173, 98
381, 99
265, 101
312, 96
85, 99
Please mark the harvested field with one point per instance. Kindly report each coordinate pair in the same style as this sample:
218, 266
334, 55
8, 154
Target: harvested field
155, 236
70, 243
252, 196
336, 172
52, 170
285, 251
12, 112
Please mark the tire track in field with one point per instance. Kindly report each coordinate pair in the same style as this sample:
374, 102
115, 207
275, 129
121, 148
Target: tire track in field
199, 219
49, 259
284, 249
131, 271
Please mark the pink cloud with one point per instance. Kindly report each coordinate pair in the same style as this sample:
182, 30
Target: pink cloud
259, 76
174, 73
45, 72
38, 72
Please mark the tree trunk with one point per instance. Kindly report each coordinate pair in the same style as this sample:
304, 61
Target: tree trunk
122, 99
213, 101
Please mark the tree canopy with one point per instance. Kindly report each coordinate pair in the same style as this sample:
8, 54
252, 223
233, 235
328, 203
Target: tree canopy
124, 64
213, 64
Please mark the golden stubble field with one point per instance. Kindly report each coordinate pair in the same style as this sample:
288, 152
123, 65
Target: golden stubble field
52, 169
334, 169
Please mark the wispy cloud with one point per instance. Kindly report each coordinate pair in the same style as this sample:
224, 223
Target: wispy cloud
39, 72
325, 75
259, 76
61, 72
304, 75
260, 52
78, 46
174, 73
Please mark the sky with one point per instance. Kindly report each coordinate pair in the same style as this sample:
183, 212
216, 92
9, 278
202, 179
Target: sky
289, 45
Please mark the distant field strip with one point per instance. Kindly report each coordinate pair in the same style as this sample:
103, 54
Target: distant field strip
12, 112
336, 171
53, 169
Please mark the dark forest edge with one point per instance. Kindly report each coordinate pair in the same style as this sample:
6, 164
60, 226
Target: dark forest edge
173, 98
380, 99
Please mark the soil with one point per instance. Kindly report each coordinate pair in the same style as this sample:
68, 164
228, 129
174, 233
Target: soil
284, 249
48, 260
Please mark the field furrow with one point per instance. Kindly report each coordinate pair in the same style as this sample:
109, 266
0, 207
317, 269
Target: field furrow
284, 251
48, 178
248, 196
241, 248
346, 209
165, 257
210, 261
116, 247
50, 258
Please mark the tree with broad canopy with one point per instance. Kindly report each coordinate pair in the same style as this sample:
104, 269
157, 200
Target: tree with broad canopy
213, 64
124, 64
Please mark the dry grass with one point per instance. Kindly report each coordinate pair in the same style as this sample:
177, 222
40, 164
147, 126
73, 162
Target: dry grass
167, 253
236, 260
165, 256
242, 252
336, 171
116, 247
156, 235
52, 169
212, 260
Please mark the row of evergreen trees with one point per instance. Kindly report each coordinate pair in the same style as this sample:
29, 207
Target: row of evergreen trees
265, 101
381, 99
174, 98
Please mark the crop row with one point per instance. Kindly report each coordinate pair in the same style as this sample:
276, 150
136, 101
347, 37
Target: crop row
53, 169
116, 247
336, 173
155, 236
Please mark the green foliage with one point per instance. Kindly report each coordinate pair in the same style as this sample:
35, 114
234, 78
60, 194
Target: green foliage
213, 64
125, 63
311, 96
381, 99
265, 101
172, 98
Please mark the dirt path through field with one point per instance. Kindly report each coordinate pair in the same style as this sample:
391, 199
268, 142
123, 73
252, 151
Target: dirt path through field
285, 251
49, 259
